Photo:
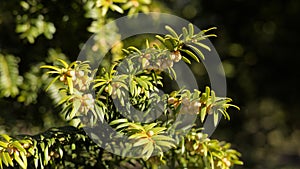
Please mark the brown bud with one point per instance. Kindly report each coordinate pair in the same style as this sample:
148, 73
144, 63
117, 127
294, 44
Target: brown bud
26, 145
150, 133
51, 154
106, 89
171, 100
62, 78
199, 136
71, 73
56, 155
177, 56
115, 85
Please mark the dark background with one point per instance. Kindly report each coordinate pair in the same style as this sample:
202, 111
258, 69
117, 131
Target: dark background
258, 42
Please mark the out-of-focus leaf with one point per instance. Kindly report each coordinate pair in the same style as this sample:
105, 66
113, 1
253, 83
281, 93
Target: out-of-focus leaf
9, 76
141, 142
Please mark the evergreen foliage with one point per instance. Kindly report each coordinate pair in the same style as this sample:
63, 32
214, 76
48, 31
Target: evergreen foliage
69, 85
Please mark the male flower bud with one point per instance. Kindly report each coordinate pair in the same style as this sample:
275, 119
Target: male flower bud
150, 133
71, 73
26, 145
171, 100
56, 155
51, 153
62, 78
177, 56
172, 56
106, 89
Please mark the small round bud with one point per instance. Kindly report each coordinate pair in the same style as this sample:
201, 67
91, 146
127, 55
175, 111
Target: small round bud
51, 153
199, 136
56, 155
150, 133
106, 89
26, 145
71, 73
115, 85
171, 100
172, 56
177, 56
62, 78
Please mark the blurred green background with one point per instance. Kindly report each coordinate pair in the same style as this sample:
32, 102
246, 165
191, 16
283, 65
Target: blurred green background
257, 41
